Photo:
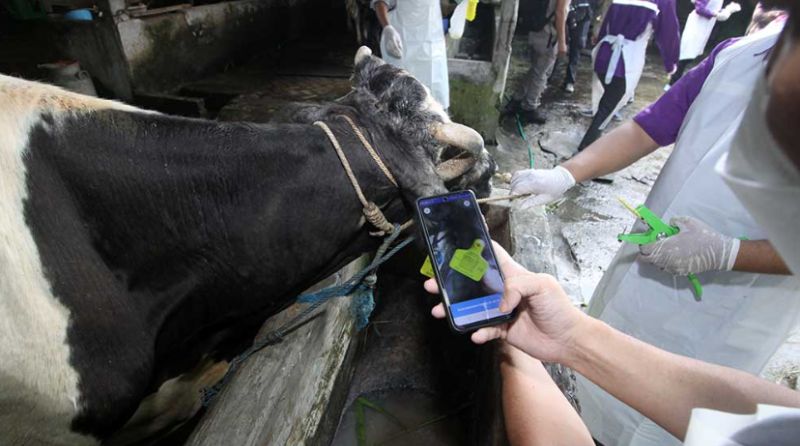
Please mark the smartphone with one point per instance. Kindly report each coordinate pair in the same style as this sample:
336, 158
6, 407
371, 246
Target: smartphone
464, 264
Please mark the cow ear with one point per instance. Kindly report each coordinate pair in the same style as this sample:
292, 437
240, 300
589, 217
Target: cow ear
364, 65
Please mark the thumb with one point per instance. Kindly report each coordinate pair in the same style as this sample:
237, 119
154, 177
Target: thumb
517, 288
682, 222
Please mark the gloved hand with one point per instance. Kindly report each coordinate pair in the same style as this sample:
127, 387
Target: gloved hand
547, 184
695, 249
392, 42
725, 13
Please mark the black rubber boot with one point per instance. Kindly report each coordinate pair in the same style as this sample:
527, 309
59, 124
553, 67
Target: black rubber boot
532, 117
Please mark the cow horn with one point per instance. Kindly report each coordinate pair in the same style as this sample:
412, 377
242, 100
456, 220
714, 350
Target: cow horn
454, 168
458, 135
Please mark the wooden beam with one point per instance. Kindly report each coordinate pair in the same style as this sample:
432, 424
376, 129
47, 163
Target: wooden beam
281, 395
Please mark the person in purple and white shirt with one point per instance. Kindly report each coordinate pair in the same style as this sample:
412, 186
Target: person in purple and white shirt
620, 52
750, 304
698, 29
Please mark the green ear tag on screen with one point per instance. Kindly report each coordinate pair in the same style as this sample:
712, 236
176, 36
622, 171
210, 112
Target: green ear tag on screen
427, 268
470, 262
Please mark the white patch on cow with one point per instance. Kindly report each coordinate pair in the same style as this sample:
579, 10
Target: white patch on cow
39, 394
176, 401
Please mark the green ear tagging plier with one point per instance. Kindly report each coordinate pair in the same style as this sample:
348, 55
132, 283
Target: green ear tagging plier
658, 231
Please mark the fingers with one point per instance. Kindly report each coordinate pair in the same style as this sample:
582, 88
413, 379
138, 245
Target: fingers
649, 249
487, 334
536, 200
678, 221
508, 266
503, 257
517, 179
438, 311
431, 286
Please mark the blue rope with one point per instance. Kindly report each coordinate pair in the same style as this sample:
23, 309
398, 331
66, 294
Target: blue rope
361, 286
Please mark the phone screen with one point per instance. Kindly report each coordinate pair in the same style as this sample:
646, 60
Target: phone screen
464, 263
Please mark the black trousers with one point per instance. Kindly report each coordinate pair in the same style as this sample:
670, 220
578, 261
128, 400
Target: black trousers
578, 22
682, 64
613, 93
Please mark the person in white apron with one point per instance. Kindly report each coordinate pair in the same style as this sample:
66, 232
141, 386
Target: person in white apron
697, 30
619, 55
413, 39
743, 317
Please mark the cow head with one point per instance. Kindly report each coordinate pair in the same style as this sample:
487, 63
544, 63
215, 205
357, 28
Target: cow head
411, 130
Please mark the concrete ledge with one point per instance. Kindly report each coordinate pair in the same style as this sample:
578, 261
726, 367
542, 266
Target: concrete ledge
475, 71
533, 249
282, 394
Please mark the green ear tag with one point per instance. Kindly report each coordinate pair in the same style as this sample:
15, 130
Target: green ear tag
427, 268
470, 262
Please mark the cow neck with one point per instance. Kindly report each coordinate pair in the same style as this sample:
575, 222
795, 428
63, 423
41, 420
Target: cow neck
372, 212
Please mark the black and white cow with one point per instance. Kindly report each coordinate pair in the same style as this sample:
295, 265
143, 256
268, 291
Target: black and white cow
138, 250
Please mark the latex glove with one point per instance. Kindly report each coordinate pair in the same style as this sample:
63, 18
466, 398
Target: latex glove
726, 12
695, 249
547, 184
392, 42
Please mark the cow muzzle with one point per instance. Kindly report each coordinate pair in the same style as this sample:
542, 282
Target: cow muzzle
460, 137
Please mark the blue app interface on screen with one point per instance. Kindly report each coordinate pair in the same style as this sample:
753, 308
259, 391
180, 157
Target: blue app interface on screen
467, 270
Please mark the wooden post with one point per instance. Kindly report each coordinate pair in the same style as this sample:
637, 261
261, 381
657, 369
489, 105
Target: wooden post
501, 55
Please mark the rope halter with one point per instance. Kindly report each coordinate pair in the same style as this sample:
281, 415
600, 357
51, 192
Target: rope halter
372, 212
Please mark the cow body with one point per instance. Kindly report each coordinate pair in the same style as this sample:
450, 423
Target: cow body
137, 248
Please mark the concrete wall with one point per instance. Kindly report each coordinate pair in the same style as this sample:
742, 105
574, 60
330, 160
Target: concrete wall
96, 46
477, 86
164, 50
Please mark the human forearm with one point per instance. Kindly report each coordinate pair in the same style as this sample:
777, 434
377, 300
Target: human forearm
614, 151
562, 8
382, 12
759, 256
534, 409
663, 386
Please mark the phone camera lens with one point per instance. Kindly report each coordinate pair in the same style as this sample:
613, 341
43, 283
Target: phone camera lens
466, 203
427, 211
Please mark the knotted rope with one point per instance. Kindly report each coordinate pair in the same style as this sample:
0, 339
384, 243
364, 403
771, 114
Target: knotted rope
361, 285
371, 211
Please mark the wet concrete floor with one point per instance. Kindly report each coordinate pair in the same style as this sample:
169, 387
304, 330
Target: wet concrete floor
585, 224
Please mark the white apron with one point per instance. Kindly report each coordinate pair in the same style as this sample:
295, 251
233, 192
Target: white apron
743, 318
419, 23
697, 31
633, 52
765, 180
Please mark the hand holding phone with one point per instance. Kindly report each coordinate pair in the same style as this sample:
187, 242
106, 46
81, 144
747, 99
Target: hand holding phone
547, 325
463, 260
